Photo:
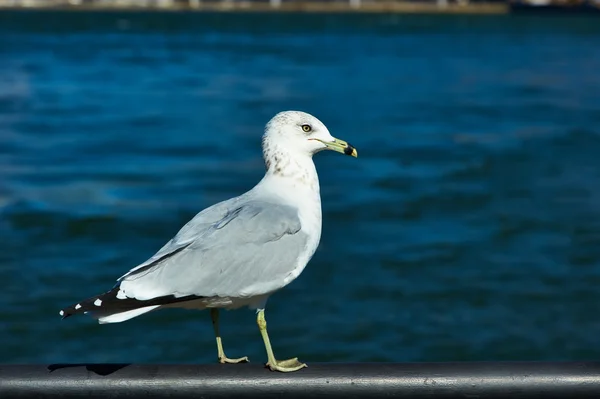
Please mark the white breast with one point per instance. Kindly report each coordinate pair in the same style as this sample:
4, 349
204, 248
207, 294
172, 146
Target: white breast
311, 220
303, 194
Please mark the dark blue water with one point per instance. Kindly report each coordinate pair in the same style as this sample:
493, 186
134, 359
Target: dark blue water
468, 228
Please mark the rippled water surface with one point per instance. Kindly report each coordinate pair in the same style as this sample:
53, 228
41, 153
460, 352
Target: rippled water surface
468, 228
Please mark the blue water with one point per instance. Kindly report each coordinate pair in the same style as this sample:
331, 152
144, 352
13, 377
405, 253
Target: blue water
467, 229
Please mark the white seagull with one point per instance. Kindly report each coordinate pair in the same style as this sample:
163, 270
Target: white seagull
237, 252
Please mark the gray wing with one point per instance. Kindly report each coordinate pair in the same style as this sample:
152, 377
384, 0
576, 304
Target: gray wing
187, 234
251, 250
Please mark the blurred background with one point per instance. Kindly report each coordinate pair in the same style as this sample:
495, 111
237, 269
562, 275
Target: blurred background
467, 229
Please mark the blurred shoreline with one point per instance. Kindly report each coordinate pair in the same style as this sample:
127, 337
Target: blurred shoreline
357, 6
456, 7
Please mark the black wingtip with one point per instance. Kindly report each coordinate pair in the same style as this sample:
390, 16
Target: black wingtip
64, 314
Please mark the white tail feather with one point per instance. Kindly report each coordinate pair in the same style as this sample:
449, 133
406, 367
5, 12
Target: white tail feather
130, 314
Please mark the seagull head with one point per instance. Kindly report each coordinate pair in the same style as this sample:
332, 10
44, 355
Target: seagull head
296, 132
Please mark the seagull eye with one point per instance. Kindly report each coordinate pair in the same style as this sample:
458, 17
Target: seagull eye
306, 128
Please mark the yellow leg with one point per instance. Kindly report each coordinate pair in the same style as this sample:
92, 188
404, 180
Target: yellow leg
275, 365
214, 315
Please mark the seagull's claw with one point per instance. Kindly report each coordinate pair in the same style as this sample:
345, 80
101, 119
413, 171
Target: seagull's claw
286, 366
225, 359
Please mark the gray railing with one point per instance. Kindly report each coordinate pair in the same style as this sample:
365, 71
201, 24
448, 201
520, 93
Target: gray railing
362, 380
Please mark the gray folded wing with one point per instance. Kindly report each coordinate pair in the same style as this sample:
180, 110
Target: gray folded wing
250, 248
188, 233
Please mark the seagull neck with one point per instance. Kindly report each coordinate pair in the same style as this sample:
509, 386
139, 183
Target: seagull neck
296, 175
283, 164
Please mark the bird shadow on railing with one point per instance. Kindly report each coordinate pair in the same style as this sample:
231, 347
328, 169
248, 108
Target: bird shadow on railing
99, 369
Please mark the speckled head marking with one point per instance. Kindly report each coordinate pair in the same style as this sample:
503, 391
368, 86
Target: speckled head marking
292, 136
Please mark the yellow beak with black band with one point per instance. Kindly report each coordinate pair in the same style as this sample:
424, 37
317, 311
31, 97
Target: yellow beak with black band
340, 146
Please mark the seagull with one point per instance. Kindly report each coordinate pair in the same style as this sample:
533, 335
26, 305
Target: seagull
237, 252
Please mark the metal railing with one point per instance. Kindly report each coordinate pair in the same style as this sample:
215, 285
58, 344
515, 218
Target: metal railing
361, 380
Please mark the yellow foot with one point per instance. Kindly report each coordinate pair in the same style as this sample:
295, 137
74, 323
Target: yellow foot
225, 359
285, 366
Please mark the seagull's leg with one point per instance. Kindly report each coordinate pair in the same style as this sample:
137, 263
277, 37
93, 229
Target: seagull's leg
214, 315
275, 365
